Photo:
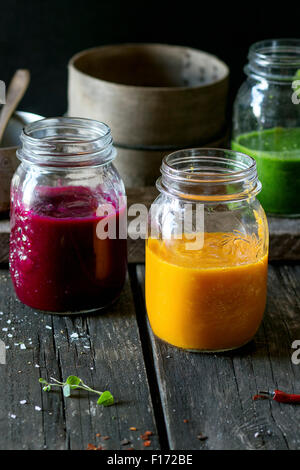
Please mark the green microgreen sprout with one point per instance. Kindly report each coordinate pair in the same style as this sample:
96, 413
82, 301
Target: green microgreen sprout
75, 383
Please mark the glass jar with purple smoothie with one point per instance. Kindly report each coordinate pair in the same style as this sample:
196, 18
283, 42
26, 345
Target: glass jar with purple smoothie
68, 251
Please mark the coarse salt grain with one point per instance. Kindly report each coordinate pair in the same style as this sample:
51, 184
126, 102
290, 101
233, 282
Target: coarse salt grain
4, 329
49, 327
22, 402
22, 346
13, 416
37, 408
74, 335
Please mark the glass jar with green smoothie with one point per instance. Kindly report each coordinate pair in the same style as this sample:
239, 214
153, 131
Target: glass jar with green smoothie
266, 122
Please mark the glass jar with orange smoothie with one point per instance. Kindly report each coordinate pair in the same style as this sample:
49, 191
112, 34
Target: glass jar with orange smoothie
207, 251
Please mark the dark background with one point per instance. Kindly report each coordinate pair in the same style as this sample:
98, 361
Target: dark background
42, 35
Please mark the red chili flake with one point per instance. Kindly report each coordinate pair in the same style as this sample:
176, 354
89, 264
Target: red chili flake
93, 447
130, 448
146, 435
132, 428
98, 434
185, 420
147, 443
201, 437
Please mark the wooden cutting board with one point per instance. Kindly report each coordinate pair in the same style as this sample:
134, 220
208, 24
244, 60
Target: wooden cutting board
284, 233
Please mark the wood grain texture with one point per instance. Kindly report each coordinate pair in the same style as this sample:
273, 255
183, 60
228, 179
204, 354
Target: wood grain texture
15, 92
8, 165
4, 241
284, 238
107, 355
284, 233
214, 391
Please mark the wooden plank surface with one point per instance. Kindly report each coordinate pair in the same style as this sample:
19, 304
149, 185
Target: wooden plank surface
4, 240
214, 391
107, 355
284, 233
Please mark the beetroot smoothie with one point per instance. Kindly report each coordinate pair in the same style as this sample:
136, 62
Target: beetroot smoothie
57, 262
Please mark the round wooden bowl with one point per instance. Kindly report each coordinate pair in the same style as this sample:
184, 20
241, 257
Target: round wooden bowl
141, 167
8, 158
150, 94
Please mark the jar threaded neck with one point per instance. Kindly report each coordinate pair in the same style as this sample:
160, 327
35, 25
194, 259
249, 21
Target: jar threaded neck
67, 142
209, 175
274, 59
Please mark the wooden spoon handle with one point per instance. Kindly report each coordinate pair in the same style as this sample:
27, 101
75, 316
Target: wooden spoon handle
15, 93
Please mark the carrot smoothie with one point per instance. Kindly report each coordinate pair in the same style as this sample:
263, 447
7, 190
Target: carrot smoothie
212, 299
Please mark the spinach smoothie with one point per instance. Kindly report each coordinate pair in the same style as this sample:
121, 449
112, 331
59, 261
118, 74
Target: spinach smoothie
277, 155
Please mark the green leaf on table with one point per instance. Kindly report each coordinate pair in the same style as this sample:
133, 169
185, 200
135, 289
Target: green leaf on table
105, 399
67, 390
73, 381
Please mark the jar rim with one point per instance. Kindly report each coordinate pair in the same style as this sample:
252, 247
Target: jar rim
191, 173
246, 162
66, 142
275, 58
74, 122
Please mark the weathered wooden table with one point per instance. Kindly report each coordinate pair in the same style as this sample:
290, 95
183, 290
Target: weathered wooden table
189, 401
